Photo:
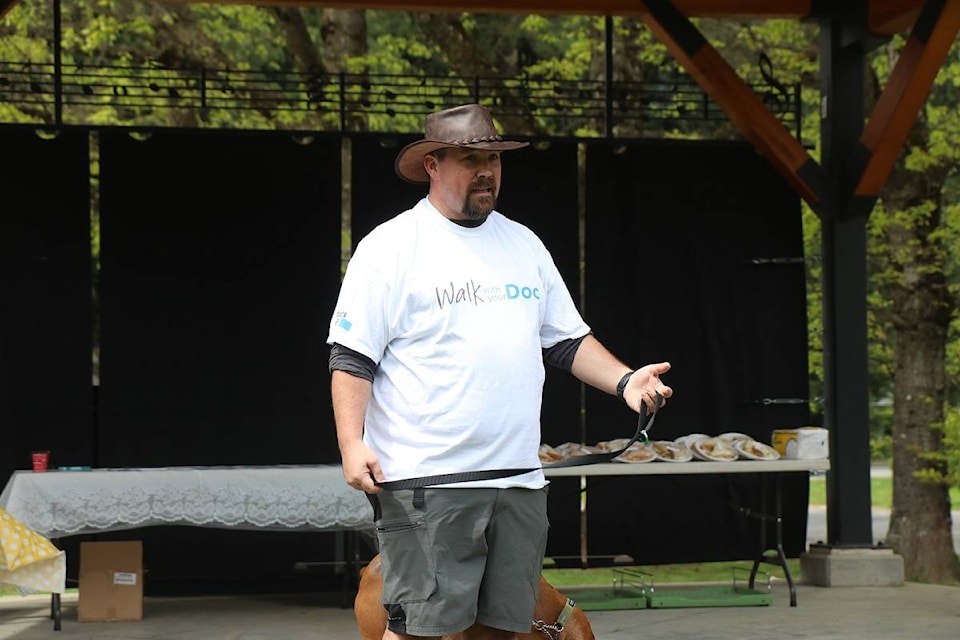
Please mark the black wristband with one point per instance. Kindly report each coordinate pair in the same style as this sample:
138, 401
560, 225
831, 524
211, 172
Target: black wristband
623, 383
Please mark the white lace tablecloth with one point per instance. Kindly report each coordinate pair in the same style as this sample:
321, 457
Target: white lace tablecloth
285, 498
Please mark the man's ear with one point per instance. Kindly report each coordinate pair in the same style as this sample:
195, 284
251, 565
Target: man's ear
430, 163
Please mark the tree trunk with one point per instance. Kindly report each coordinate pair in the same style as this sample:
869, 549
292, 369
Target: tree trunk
920, 524
462, 54
297, 36
344, 34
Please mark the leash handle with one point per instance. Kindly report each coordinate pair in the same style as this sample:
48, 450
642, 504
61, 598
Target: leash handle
644, 424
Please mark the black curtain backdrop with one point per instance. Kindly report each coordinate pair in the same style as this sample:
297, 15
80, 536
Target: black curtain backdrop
45, 288
220, 267
538, 189
694, 255
220, 257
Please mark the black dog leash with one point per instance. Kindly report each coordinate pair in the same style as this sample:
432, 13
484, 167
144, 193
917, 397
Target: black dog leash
644, 424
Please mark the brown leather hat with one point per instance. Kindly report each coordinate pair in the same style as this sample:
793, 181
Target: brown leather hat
469, 125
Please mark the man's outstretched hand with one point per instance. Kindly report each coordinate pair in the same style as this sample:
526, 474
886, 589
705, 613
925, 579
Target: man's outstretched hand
645, 385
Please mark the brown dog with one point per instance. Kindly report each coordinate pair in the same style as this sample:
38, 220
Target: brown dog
372, 617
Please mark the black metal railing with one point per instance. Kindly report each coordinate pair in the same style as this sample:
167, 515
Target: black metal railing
148, 96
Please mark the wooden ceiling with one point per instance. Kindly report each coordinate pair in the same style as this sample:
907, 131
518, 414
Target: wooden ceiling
885, 17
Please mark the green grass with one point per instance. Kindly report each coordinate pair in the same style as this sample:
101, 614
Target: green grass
663, 573
881, 493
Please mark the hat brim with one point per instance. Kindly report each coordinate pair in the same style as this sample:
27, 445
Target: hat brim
409, 162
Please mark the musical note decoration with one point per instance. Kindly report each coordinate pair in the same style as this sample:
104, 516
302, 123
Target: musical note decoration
560, 107
775, 97
316, 84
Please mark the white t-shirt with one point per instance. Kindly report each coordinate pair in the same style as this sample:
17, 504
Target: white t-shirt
456, 317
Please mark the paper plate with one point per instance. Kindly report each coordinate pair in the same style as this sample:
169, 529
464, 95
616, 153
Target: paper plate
637, 453
667, 451
570, 449
549, 454
612, 445
734, 436
714, 450
689, 439
753, 450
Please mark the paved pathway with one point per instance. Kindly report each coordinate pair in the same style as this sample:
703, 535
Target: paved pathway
911, 612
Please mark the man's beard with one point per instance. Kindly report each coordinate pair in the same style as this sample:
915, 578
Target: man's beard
479, 207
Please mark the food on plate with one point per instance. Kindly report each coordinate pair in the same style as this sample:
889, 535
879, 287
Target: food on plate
733, 437
612, 445
715, 449
671, 451
689, 439
637, 453
570, 449
753, 450
549, 454
563, 451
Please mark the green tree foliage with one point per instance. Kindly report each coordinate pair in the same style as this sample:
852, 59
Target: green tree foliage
935, 251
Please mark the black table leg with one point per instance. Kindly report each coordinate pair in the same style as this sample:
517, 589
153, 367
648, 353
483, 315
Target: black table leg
55, 610
780, 559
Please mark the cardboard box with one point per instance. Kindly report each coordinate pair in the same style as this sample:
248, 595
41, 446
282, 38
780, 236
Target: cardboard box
803, 443
111, 581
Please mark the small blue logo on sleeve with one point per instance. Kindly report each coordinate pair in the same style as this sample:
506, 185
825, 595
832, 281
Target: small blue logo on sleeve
344, 324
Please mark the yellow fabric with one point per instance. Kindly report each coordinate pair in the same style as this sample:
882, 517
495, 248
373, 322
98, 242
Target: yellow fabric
49, 575
21, 546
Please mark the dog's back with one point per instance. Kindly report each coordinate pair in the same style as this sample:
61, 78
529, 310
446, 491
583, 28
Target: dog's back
372, 617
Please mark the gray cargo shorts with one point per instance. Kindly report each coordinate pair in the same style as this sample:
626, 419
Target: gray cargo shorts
462, 556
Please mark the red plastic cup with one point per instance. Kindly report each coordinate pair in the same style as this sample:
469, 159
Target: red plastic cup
41, 459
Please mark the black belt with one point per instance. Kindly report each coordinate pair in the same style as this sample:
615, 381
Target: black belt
644, 423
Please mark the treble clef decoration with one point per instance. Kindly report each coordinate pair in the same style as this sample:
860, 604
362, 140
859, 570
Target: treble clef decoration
778, 95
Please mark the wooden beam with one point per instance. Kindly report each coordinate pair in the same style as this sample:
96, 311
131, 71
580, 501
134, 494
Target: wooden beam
889, 17
741, 103
902, 98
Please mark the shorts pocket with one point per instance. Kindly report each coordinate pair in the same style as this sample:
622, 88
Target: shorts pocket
409, 571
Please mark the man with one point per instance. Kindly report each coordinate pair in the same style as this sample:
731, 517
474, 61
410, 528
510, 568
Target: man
446, 315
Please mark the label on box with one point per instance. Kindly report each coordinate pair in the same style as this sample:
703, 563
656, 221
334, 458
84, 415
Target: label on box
125, 578
801, 443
